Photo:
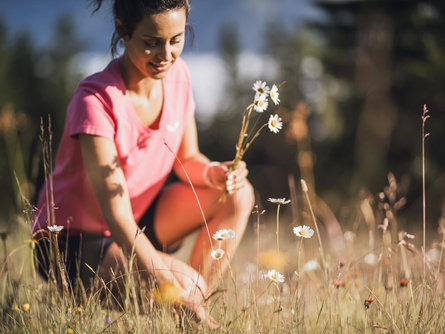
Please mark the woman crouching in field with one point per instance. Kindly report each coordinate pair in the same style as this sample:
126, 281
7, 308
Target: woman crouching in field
124, 126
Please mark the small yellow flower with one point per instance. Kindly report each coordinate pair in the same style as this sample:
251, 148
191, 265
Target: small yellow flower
79, 309
31, 242
69, 331
167, 292
26, 307
273, 259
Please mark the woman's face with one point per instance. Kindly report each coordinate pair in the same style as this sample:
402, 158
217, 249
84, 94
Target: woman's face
156, 43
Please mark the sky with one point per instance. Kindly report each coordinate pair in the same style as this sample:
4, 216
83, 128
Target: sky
206, 16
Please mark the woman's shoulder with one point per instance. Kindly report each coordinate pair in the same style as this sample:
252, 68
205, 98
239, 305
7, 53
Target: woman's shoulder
107, 79
104, 86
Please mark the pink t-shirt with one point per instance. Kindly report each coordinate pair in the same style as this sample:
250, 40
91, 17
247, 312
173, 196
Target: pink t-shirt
101, 107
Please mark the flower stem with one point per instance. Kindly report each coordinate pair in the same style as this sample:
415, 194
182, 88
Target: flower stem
305, 191
298, 275
278, 226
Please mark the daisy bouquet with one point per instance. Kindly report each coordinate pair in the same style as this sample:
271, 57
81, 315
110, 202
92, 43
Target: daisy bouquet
251, 126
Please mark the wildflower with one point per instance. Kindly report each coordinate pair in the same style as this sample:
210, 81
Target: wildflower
371, 259
403, 283
25, 307
281, 201
275, 276
274, 95
349, 236
344, 283
311, 265
275, 124
69, 331
368, 302
217, 254
108, 320
341, 262
224, 234
304, 186
336, 283
260, 103
55, 228
433, 255
273, 259
303, 231
79, 309
261, 89
357, 273
31, 242
166, 292
386, 262
15, 307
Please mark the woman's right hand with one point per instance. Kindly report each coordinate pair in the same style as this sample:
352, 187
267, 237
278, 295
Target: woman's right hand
193, 300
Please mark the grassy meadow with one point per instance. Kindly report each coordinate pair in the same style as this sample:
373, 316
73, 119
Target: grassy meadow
374, 280
369, 277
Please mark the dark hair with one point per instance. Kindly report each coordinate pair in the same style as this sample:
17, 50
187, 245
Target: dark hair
131, 12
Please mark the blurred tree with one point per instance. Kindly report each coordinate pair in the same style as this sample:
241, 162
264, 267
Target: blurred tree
384, 60
35, 85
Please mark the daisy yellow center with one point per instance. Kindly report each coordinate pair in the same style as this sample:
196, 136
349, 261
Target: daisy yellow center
260, 90
261, 103
224, 235
218, 255
303, 232
273, 123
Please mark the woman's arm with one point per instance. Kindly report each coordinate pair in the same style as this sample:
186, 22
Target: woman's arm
107, 179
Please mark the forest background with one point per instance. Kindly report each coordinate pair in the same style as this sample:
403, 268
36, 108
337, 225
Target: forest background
357, 76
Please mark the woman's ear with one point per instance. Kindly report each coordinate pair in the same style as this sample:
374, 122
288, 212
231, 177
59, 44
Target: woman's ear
120, 29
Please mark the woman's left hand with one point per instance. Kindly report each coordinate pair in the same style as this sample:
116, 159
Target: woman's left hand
220, 178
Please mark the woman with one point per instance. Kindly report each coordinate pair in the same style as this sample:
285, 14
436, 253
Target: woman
127, 127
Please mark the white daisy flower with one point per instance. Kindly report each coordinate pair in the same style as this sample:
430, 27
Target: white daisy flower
224, 234
260, 103
349, 236
261, 89
303, 231
274, 95
217, 254
371, 259
310, 266
275, 124
275, 276
55, 228
279, 200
